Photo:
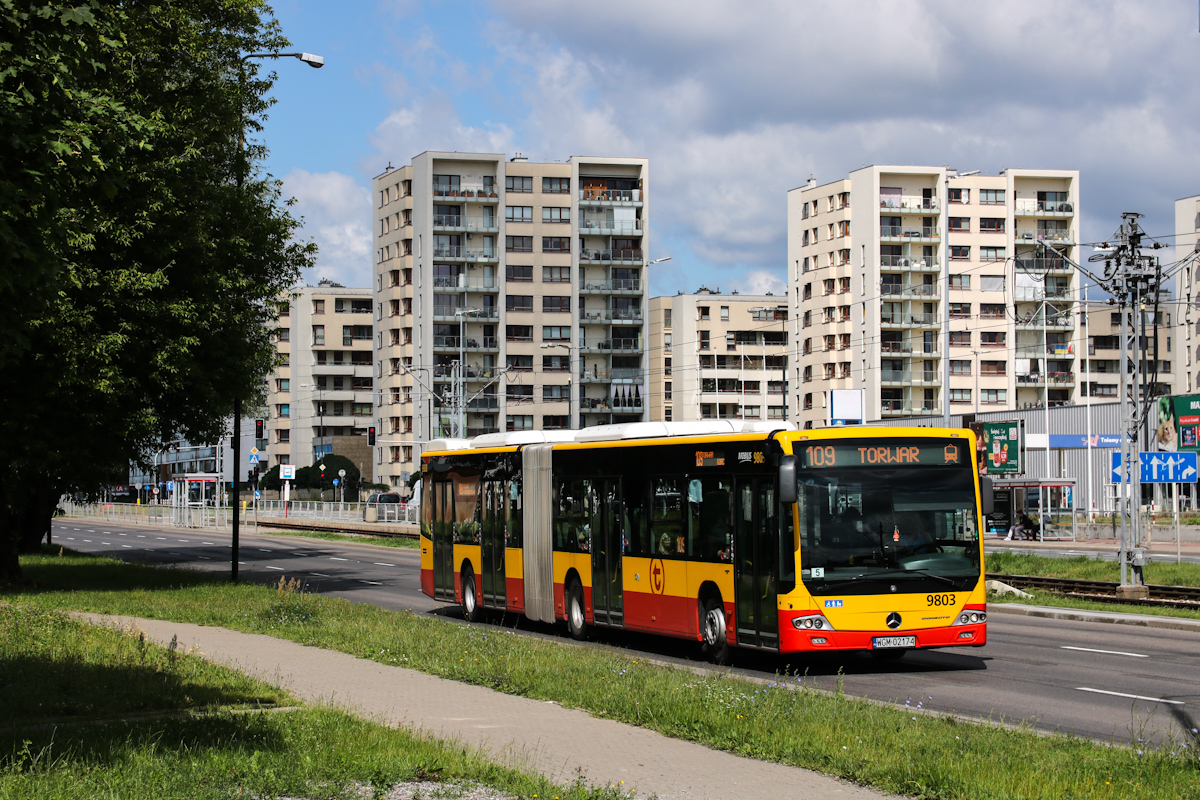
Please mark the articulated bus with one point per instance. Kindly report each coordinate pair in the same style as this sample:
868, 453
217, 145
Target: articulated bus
727, 533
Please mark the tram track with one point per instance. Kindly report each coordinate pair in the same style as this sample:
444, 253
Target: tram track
1161, 596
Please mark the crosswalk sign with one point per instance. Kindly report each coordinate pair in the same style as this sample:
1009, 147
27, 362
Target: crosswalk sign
254, 458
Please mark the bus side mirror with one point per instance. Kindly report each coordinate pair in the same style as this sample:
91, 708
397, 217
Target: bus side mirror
987, 496
787, 479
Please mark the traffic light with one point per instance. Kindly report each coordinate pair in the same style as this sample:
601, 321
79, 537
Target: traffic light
371, 436
259, 428
251, 476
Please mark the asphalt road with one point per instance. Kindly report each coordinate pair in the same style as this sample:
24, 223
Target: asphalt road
1101, 681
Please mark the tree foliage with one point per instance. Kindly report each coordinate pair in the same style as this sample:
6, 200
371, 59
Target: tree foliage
143, 248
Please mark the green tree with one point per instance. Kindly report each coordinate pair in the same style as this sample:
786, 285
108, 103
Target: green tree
144, 248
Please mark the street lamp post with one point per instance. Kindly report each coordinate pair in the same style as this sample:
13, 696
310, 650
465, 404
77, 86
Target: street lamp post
570, 379
316, 62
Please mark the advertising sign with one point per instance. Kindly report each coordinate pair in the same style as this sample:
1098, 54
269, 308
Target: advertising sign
287, 472
1003, 443
1178, 423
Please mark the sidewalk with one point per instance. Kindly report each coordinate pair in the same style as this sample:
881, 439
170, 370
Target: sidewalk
529, 734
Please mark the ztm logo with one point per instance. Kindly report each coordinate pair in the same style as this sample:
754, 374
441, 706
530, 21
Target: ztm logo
658, 576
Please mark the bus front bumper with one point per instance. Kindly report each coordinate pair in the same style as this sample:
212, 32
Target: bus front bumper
792, 640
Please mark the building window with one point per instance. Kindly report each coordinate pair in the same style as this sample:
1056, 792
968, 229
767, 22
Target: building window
960, 196
844, 313
556, 333
843, 285
283, 410
556, 363
960, 224
518, 302
960, 368
827, 314
960, 338
284, 334
318, 335
991, 224
518, 244
991, 197
960, 282
666, 366
520, 363
991, 283
960, 252
518, 213
667, 390
991, 397
556, 185
830, 371
666, 317
518, 183
520, 422
318, 306
991, 310
725, 313
992, 338
555, 393
518, 333
807, 375
556, 215
808, 401
667, 342
845, 341
828, 285
804, 212
807, 291
518, 274
830, 339
518, 393
960, 395
805, 267
960, 310
702, 312
555, 304
556, 244
844, 369
993, 367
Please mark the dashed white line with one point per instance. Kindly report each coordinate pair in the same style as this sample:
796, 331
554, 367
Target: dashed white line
206, 558
173, 553
119, 534
1106, 652
383, 564
89, 530
298, 553
75, 529
160, 538
264, 550
319, 574
140, 536
335, 558
1130, 696
107, 543
373, 583
280, 569
206, 543
70, 538
185, 540
127, 545
89, 541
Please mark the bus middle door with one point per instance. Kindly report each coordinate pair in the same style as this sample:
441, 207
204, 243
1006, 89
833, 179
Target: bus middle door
492, 540
608, 548
756, 524
443, 539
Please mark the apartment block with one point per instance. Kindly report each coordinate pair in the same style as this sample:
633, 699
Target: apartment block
1159, 346
718, 356
509, 295
868, 259
320, 400
1187, 238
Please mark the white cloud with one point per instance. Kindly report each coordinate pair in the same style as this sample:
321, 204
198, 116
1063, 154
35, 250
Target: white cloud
336, 211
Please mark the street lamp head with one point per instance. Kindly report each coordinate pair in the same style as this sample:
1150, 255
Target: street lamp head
964, 174
314, 61
659, 260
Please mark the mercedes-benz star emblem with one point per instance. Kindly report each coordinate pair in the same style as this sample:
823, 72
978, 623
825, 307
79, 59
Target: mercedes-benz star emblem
893, 620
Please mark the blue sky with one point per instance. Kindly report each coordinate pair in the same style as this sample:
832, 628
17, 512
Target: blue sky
735, 103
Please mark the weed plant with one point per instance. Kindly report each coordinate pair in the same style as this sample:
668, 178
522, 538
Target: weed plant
900, 751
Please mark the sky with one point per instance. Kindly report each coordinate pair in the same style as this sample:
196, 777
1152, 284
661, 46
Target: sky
734, 104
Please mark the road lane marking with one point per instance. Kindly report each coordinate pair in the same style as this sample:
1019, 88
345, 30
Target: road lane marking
119, 534
89, 541
335, 558
89, 530
319, 574
1131, 696
264, 550
108, 543
298, 553
383, 564
127, 545
206, 558
74, 529
206, 543
280, 569
140, 536
186, 540
173, 553
160, 538
373, 583
1106, 652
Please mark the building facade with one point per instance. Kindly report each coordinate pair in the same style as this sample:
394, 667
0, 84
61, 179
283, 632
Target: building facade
509, 295
867, 290
718, 356
1187, 236
320, 400
1160, 345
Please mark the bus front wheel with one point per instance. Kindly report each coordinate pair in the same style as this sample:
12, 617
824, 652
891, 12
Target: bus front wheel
576, 617
712, 628
470, 600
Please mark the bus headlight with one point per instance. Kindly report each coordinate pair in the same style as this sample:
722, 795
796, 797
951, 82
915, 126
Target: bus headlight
971, 618
811, 622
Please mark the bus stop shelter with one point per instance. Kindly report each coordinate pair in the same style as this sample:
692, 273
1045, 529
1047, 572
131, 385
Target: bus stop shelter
1050, 501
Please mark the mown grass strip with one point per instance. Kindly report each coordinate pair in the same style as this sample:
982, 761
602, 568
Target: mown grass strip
1158, 572
887, 748
410, 542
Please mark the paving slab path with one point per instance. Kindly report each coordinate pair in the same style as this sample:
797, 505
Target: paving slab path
557, 742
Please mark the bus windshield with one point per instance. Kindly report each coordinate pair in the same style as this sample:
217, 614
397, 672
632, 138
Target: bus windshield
867, 530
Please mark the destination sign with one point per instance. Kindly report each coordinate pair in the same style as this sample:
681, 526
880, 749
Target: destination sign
861, 453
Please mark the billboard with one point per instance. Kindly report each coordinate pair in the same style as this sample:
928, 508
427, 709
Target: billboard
1178, 423
1003, 447
846, 407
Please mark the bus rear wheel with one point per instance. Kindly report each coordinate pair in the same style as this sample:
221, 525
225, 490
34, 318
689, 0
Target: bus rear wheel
712, 629
577, 624
470, 600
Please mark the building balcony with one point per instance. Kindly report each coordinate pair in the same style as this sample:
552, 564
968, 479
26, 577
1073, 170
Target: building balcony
1035, 294
1049, 236
609, 227
907, 408
1058, 322
469, 192
457, 223
1041, 350
1041, 266
909, 264
904, 377
601, 198
628, 286
1028, 207
457, 253
485, 403
600, 256
908, 320
918, 290
909, 350
610, 346
1052, 378
908, 233
909, 204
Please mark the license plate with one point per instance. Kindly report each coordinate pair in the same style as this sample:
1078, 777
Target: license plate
883, 642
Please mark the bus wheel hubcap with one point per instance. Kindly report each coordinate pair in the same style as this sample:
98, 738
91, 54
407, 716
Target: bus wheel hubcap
714, 626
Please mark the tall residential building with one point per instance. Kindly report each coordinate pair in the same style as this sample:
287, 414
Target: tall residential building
718, 356
510, 295
866, 288
1100, 365
1187, 238
320, 400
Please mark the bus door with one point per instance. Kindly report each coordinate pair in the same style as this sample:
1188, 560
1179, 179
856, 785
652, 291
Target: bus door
443, 538
608, 547
492, 540
756, 525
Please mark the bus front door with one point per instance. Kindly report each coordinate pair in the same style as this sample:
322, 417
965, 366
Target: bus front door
608, 547
492, 540
757, 526
443, 540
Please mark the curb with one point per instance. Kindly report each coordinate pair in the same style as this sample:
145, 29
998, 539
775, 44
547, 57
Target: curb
1082, 615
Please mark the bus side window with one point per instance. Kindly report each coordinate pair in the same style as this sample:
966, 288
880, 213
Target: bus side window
637, 522
667, 527
571, 522
514, 530
711, 509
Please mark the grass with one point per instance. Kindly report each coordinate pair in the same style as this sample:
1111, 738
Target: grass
57, 671
1165, 573
893, 750
411, 542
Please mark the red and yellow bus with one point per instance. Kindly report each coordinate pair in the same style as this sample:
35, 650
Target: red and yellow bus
727, 533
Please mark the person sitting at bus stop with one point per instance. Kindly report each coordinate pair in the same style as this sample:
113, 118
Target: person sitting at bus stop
1024, 529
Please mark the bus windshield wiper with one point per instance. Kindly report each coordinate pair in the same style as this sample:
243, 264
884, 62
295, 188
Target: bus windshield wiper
889, 573
923, 573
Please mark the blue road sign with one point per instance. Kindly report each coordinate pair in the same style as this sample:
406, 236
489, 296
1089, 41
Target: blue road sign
1161, 467
335, 481
254, 458
257, 494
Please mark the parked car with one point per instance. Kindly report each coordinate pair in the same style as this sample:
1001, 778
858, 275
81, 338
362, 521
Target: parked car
381, 498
